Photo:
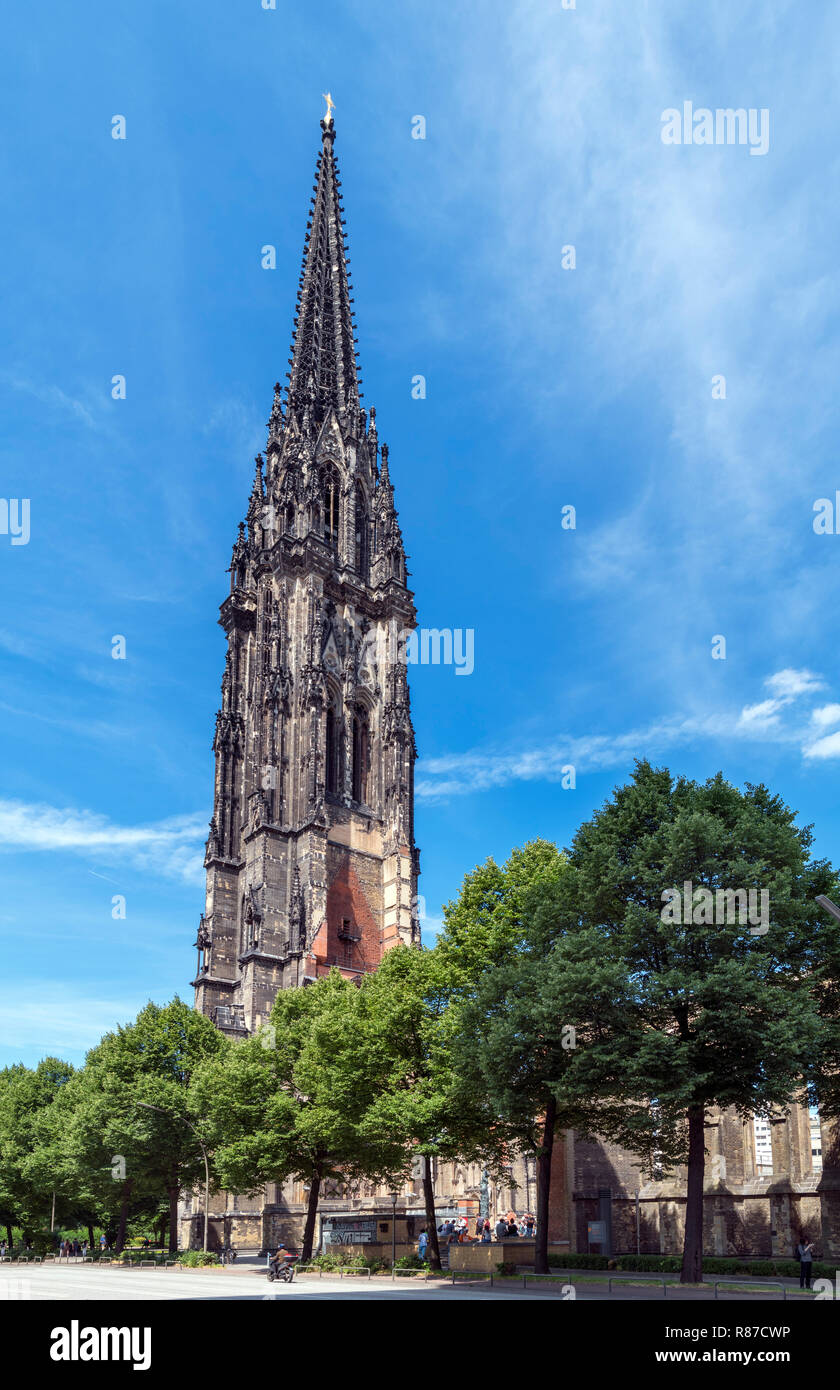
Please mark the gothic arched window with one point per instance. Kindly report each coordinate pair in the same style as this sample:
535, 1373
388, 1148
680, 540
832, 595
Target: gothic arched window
361, 755
333, 763
362, 531
332, 499
290, 519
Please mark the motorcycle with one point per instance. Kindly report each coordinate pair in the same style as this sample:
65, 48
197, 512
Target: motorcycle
283, 1271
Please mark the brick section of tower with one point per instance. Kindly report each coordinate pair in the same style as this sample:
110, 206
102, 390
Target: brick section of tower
311, 862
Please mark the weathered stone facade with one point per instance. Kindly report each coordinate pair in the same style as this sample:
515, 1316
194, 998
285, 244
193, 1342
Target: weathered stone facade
310, 859
747, 1210
311, 862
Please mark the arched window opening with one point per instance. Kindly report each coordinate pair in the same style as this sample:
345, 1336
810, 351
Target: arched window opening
362, 534
332, 495
290, 519
333, 768
361, 756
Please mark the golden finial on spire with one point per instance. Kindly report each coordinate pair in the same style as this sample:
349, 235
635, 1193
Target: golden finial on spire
330, 107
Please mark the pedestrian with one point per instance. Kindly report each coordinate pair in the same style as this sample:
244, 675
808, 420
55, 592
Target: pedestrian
486, 1234
501, 1228
479, 1227
805, 1256
512, 1229
2, 1249
103, 1243
422, 1243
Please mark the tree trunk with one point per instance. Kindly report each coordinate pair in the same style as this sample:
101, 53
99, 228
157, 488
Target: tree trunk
544, 1187
90, 1237
174, 1193
311, 1213
121, 1229
9, 1240
433, 1248
692, 1262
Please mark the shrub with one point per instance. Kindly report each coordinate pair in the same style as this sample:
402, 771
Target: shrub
197, 1259
672, 1264
336, 1259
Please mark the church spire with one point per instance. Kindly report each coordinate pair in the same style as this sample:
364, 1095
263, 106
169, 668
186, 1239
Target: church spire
323, 363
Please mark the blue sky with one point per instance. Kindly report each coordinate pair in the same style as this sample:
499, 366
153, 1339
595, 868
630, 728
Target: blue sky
546, 387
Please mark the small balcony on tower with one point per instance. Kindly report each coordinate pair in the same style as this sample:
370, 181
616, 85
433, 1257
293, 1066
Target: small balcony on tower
230, 1018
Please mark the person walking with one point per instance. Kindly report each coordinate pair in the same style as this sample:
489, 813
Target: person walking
422, 1243
805, 1256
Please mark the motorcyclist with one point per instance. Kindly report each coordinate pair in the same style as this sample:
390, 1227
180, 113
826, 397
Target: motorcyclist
278, 1259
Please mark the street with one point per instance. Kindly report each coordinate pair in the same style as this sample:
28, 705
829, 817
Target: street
90, 1283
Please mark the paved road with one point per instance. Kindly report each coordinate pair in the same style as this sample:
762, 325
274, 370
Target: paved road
89, 1283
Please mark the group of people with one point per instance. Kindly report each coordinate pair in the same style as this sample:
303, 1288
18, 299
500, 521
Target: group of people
68, 1248
456, 1230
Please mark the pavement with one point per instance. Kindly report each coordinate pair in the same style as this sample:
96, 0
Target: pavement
89, 1282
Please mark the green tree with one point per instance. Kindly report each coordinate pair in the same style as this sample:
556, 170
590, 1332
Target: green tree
123, 1154
291, 1101
406, 1027
506, 1046
687, 1009
27, 1133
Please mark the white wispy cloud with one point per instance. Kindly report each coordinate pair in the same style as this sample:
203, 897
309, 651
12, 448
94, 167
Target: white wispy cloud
677, 280
482, 769
825, 716
828, 747
42, 1018
787, 686
50, 395
170, 847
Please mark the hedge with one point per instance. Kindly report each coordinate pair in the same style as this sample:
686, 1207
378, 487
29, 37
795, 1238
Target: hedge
672, 1264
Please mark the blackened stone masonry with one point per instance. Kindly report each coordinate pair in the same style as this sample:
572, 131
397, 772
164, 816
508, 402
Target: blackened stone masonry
310, 858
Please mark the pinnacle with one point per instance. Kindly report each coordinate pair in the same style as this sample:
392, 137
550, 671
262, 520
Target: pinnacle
324, 371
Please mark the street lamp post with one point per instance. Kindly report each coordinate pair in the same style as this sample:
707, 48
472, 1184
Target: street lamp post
146, 1106
828, 905
393, 1196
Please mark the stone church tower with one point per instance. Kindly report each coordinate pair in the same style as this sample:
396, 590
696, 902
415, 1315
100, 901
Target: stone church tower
310, 858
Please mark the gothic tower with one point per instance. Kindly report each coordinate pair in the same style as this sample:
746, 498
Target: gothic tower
310, 858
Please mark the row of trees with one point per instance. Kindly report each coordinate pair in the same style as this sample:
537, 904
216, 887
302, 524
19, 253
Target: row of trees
556, 997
